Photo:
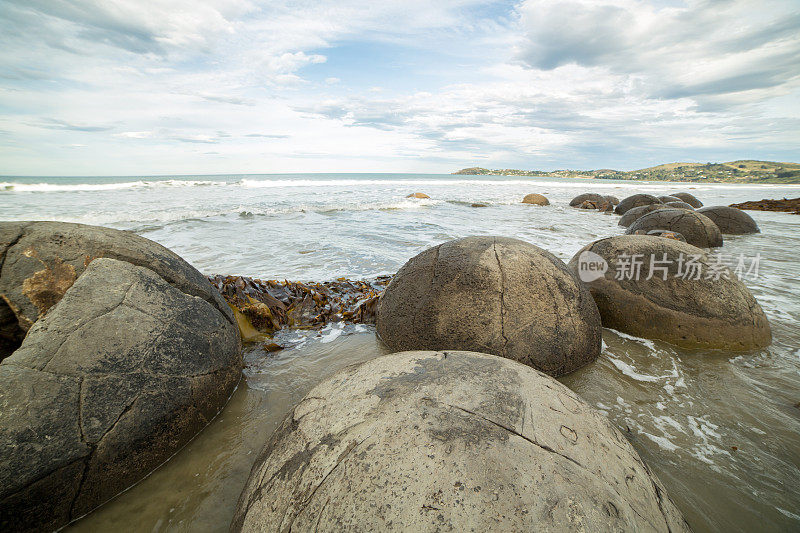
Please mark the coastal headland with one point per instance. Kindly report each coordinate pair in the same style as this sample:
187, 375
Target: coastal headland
740, 171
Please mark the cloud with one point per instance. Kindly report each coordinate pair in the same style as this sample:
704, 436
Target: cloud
233, 100
538, 83
704, 49
56, 124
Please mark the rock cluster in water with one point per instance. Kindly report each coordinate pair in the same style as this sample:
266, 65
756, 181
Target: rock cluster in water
450, 441
120, 352
128, 353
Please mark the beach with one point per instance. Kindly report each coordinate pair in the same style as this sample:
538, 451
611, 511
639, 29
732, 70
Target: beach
719, 429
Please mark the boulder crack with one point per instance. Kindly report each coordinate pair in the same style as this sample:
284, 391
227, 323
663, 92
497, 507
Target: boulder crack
502, 298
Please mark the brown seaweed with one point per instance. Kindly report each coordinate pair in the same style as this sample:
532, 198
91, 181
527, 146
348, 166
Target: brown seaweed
262, 307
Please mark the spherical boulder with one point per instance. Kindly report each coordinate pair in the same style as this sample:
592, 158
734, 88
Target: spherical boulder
631, 215
535, 199
731, 221
613, 200
665, 289
495, 295
635, 200
698, 229
688, 198
128, 353
586, 197
679, 204
449, 441
418, 195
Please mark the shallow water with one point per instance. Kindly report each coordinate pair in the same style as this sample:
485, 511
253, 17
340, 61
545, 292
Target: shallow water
721, 430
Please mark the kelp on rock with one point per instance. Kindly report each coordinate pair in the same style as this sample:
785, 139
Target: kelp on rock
262, 307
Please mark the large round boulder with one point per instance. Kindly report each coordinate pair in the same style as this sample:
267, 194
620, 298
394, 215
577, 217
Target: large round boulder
613, 200
449, 441
698, 229
688, 198
586, 197
631, 215
535, 199
128, 352
691, 299
635, 200
494, 295
731, 221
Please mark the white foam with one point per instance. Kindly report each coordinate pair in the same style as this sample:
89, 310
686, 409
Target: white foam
650, 344
629, 371
331, 334
8, 186
662, 442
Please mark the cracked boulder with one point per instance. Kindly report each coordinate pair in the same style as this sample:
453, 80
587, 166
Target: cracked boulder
495, 295
730, 220
698, 229
635, 200
665, 289
128, 352
450, 441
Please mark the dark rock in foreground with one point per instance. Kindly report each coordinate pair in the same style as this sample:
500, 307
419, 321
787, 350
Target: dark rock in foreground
693, 313
129, 353
495, 295
698, 229
449, 441
731, 221
636, 200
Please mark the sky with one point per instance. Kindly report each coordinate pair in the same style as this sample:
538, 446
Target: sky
164, 87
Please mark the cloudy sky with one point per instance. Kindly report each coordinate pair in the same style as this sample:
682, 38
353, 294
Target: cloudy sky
124, 87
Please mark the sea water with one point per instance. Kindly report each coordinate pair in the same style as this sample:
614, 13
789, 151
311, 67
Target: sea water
721, 430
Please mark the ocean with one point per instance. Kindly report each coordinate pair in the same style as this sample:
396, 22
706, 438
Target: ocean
721, 430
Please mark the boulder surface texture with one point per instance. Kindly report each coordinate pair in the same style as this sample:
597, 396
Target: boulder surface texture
128, 352
635, 200
450, 441
730, 220
536, 199
494, 295
587, 197
692, 307
698, 229
688, 198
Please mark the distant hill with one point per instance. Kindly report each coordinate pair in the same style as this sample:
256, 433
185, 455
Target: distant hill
741, 171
